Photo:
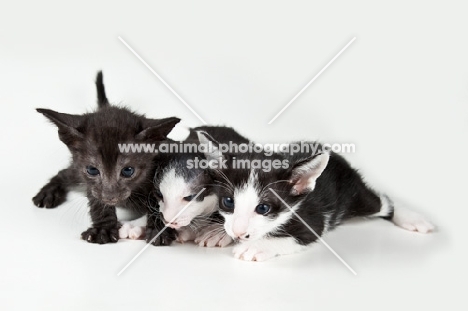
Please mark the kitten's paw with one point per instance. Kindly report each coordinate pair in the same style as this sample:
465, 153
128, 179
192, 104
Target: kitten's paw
250, 252
129, 231
101, 235
51, 195
213, 236
137, 232
185, 234
411, 221
124, 231
164, 238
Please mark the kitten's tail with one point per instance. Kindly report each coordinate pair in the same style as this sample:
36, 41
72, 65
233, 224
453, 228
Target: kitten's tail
101, 91
402, 217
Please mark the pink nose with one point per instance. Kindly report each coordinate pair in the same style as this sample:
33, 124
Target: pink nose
173, 224
241, 234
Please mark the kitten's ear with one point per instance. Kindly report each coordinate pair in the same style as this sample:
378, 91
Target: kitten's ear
101, 91
157, 129
67, 125
305, 173
210, 147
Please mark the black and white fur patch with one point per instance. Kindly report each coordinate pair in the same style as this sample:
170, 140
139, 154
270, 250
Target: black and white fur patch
323, 189
175, 186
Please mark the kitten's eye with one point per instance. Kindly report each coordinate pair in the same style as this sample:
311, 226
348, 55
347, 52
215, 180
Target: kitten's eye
262, 209
189, 197
127, 171
92, 171
228, 202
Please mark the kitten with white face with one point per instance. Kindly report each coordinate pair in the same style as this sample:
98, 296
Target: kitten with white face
322, 189
176, 184
110, 176
187, 201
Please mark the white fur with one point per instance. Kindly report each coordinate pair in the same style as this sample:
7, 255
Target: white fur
385, 208
134, 229
174, 189
185, 234
245, 199
411, 221
125, 214
326, 222
244, 221
271, 226
179, 133
339, 217
263, 249
137, 232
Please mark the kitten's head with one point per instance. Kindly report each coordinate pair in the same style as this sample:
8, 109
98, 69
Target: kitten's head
94, 138
256, 203
177, 184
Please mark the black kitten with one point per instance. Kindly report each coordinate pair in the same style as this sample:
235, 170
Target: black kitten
111, 177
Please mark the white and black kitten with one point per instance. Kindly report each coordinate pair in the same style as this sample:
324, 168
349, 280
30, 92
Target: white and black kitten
322, 188
177, 182
112, 178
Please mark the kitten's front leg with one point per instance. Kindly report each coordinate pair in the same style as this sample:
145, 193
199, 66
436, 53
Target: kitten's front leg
155, 229
186, 234
55, 191
105, 227
213, 235
266, 248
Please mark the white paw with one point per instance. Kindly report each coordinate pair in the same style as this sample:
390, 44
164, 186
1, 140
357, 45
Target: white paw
136, 233
129, 231
185, 234
251, 252
411, 221
212, 236
124, 230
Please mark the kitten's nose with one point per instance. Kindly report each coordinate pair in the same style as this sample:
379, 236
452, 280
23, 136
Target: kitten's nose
111, 200
172, 224
241, 235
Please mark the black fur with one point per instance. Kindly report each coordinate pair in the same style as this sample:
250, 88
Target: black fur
220, 134
178, 161
101, 91
339, 194
93, 139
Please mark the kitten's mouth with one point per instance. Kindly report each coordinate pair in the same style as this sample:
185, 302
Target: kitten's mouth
247, 237
237, 239
110, 202
108, 199
174, 225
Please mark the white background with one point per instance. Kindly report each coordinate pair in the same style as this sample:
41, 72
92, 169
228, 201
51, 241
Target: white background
399, 92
